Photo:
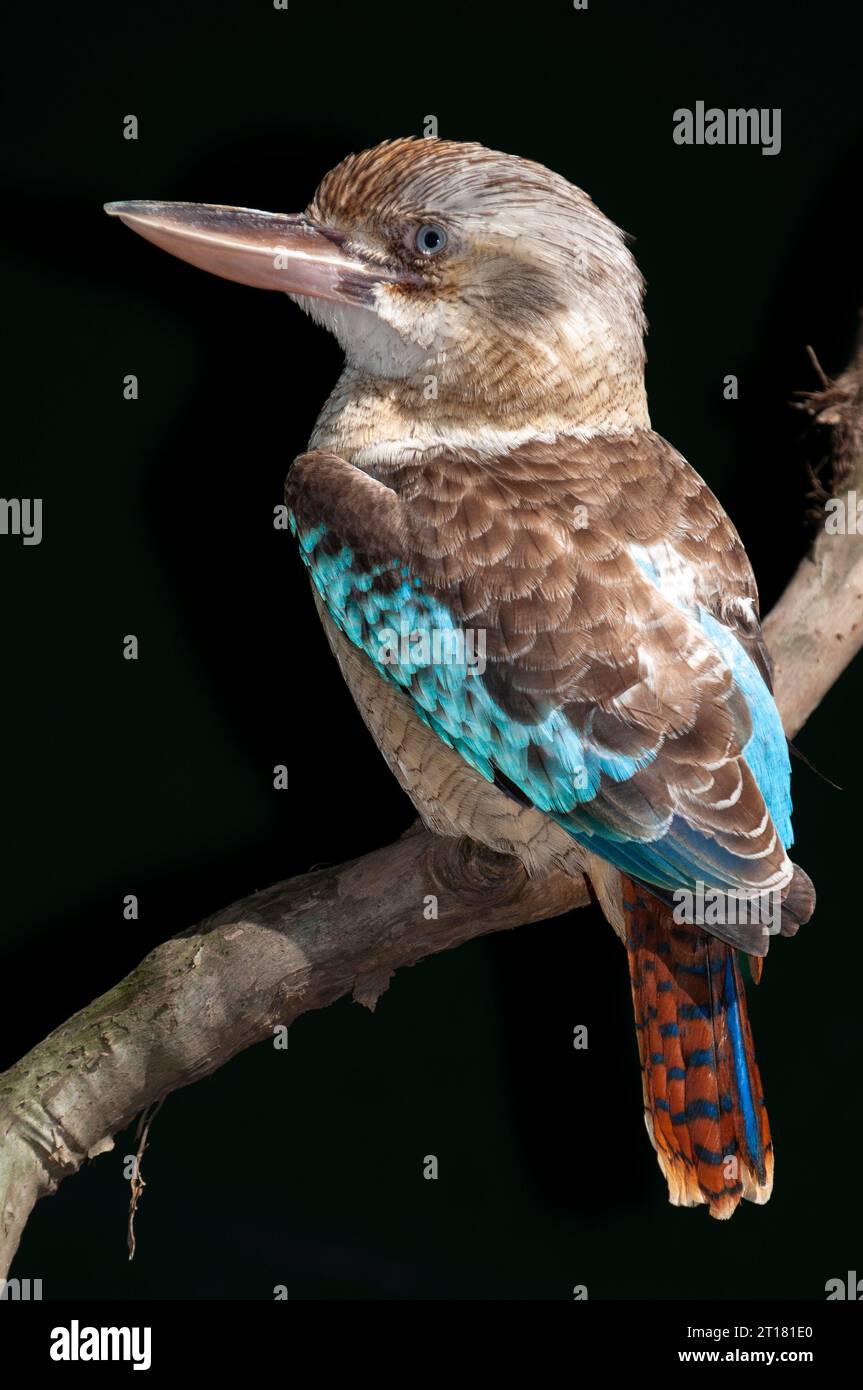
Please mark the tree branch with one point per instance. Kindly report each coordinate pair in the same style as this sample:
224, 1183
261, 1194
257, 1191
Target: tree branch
817, 625
200, 998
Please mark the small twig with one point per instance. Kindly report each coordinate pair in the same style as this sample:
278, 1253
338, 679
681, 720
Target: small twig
138, 1184
825, 380
838, 408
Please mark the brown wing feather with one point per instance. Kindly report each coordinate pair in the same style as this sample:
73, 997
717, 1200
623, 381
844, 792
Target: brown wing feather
533, 547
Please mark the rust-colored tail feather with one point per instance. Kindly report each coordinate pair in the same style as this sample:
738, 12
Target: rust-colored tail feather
703, 1100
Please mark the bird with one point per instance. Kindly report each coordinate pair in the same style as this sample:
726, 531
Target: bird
548, 622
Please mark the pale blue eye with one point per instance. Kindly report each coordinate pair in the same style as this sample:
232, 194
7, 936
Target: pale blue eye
431, 238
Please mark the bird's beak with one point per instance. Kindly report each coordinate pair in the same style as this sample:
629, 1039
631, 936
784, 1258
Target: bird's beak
270, 250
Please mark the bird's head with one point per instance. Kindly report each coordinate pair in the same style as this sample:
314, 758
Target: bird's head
467, 281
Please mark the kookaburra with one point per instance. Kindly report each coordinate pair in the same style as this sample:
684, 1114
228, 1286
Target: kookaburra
485, 469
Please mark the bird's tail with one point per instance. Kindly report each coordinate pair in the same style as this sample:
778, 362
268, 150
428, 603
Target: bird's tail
703, 1101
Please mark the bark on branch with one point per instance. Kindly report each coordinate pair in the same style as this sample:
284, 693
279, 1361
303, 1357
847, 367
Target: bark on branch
200, 998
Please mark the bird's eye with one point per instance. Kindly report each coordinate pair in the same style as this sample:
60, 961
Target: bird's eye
431, 239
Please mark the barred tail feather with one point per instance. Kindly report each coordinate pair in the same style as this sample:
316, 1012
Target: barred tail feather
703, 1100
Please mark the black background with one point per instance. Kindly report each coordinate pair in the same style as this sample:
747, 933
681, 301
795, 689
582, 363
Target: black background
305, 1168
